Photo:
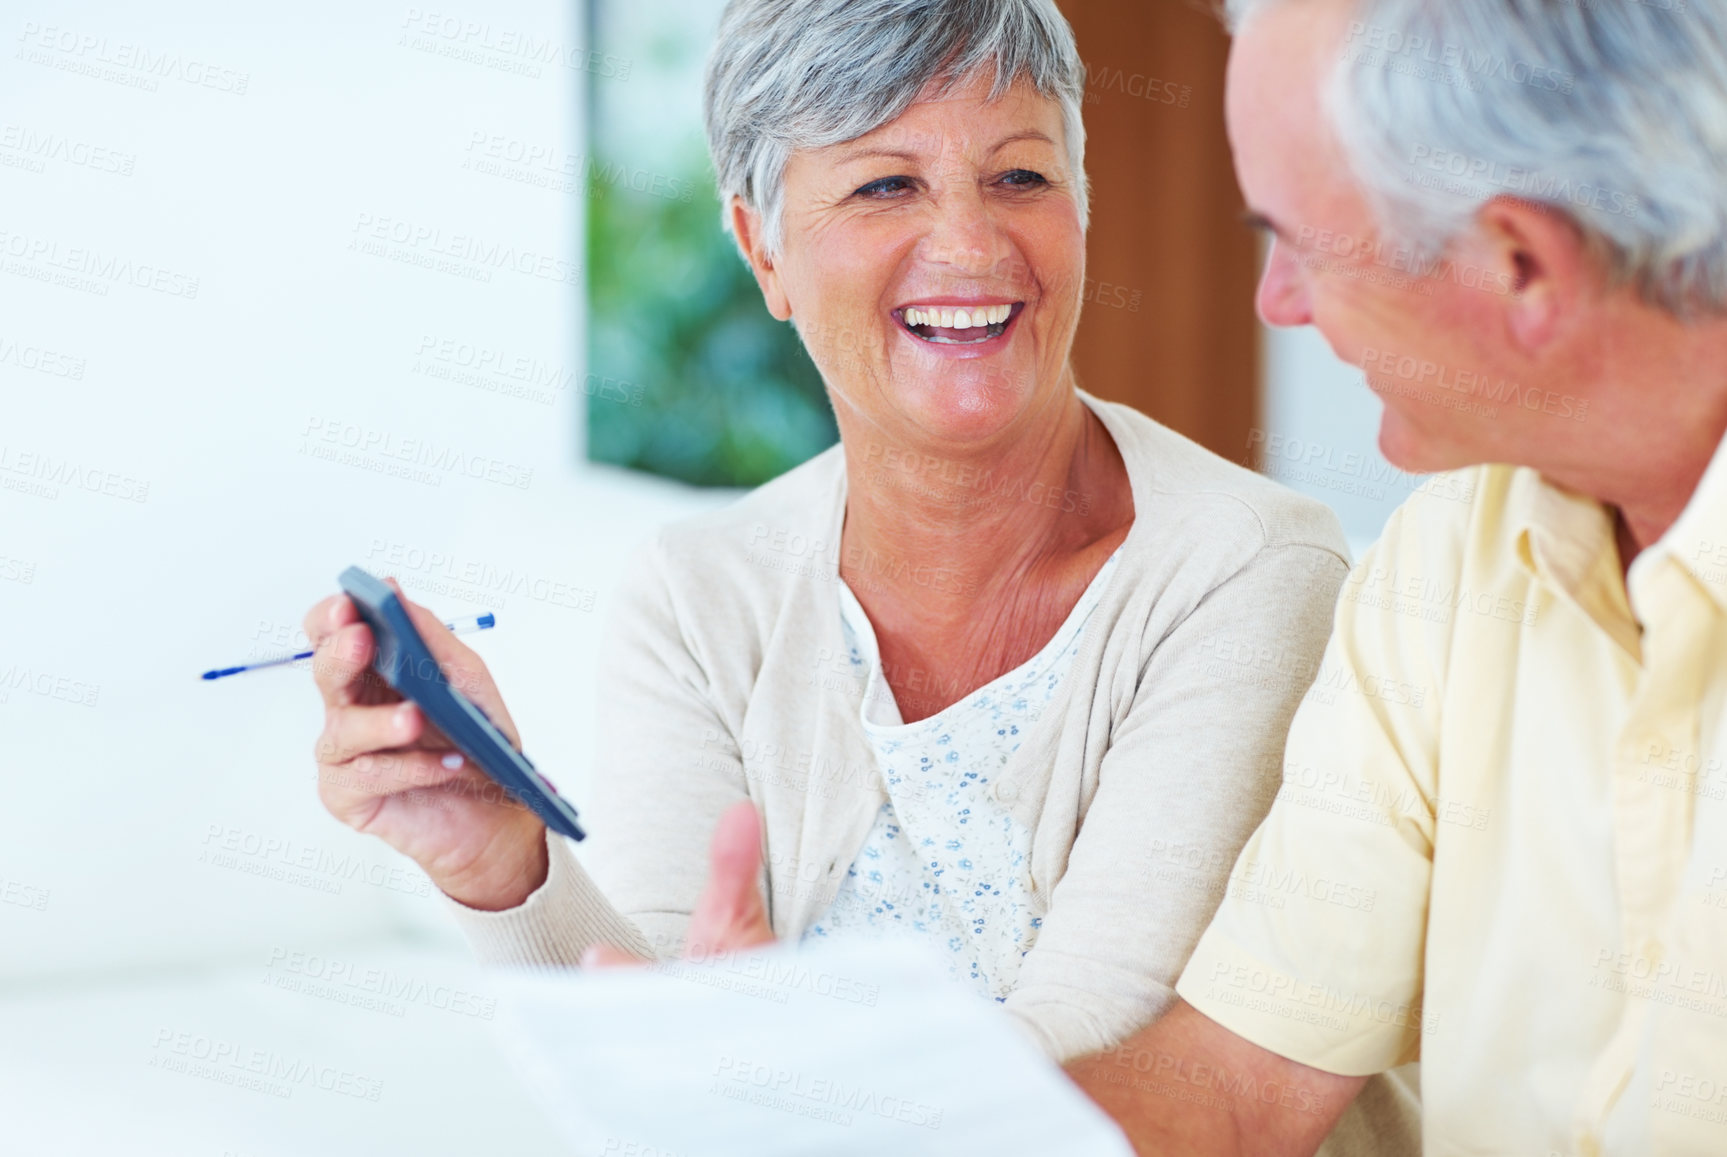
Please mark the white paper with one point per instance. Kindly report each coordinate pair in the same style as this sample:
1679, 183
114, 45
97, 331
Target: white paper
830, 1049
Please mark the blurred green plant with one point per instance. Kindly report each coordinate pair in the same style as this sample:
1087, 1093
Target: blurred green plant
728, 395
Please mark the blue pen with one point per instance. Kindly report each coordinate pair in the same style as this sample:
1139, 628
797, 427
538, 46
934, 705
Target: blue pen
467, 626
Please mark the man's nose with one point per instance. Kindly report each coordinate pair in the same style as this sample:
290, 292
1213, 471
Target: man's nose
1282, 298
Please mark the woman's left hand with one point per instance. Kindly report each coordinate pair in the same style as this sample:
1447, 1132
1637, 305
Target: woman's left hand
730, 914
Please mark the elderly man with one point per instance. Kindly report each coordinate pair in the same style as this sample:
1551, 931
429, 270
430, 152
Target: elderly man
1512, 215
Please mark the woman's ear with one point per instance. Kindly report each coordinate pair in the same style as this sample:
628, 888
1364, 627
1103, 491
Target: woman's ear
747, 227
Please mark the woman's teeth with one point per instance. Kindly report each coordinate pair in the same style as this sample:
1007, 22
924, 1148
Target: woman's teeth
958, 318
948, 326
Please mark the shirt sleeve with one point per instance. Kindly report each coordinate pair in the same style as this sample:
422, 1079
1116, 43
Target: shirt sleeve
665, 770
1189, 772
1316, 952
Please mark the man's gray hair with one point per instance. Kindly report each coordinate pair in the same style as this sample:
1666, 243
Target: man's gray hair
802, 74
1612, 111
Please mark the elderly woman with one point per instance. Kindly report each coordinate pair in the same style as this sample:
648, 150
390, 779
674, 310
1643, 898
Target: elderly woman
1008, 670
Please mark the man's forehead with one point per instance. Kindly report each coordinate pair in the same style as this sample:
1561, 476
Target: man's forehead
1281, 62
1280, 66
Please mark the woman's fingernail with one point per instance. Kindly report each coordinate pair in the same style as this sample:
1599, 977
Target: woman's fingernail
404, 717
453, 761
590, 958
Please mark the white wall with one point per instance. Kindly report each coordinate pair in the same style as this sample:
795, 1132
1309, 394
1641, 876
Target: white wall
178, 338
1320, 434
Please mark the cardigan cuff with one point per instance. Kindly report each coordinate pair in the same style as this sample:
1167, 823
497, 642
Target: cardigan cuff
558, 921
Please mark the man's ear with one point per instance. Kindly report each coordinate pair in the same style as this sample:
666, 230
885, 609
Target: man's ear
747, 227
1541, 260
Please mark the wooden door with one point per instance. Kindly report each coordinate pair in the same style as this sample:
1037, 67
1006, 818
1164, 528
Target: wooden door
1168, 326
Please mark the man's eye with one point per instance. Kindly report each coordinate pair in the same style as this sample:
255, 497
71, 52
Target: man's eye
1023, 179
886, 187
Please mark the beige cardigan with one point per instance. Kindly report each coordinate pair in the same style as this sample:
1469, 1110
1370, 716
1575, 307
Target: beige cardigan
724, 678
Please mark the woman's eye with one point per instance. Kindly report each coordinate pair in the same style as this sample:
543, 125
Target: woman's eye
1023, 179
886, 187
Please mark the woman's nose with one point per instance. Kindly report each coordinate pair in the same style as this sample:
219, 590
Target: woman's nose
964, 237
1283, 298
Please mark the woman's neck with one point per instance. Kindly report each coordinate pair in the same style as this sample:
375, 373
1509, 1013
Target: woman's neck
942, 532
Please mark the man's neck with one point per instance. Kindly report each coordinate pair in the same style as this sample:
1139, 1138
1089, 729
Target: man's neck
1649, 484
1664, 417
1646, 502
1641, 524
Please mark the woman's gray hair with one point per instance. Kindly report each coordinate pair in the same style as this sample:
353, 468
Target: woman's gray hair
1612, 111
802, 74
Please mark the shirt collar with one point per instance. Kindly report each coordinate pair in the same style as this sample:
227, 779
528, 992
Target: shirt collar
1567, 541
1697, 540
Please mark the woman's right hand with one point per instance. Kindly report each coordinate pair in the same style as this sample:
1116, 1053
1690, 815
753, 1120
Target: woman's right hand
382, 769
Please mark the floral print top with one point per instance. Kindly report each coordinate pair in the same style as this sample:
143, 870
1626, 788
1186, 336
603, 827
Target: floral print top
946, 860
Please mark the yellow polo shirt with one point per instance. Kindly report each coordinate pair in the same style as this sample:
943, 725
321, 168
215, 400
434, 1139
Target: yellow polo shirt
1500, 846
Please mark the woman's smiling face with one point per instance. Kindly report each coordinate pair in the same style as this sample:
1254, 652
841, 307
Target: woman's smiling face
934, 267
